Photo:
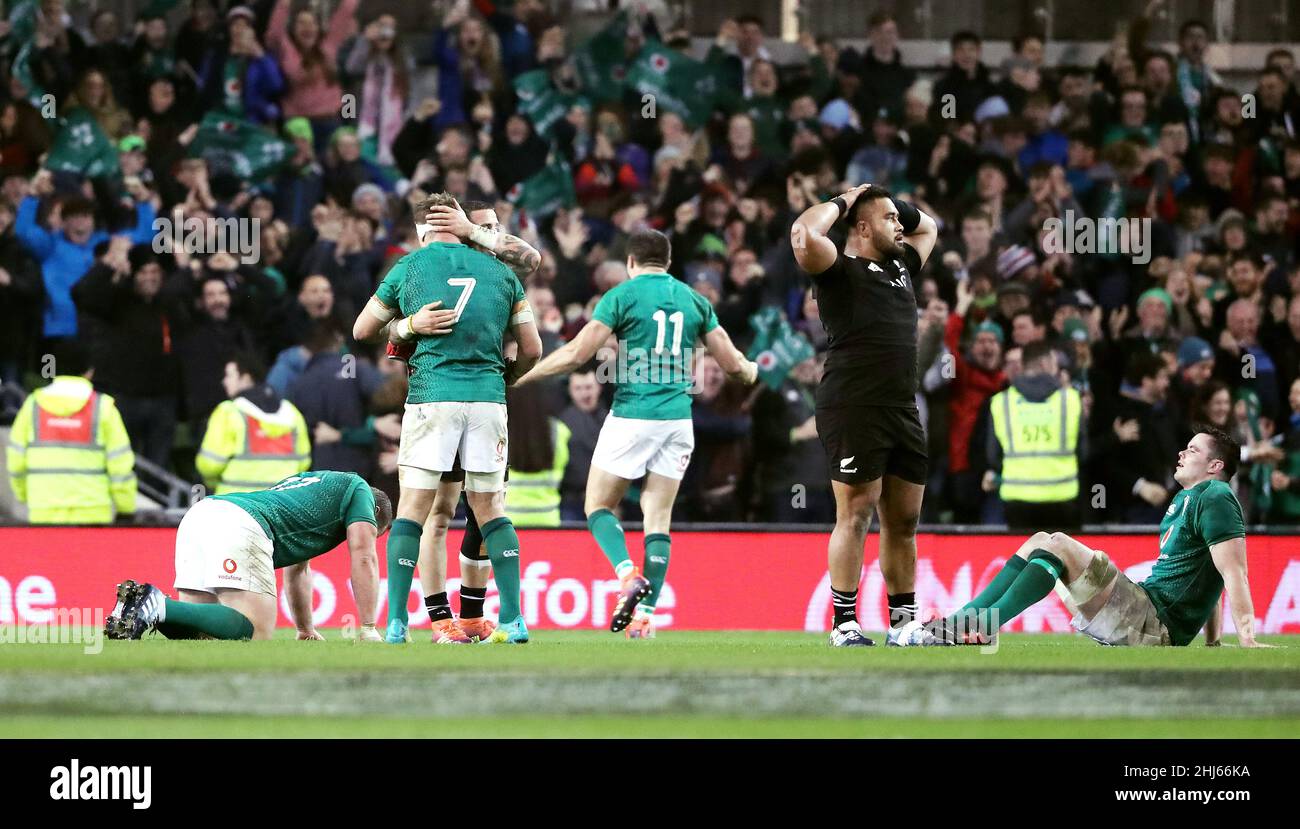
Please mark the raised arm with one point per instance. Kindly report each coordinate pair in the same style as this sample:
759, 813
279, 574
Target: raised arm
1230, 559
924, 234
514, 253
729, 358
813, 249
572, 355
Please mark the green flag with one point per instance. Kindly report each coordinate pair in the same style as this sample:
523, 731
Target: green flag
777, 347
601, 62
82, 147
22, 21
544, 192
253, 153
22, 29
542, 102
21, 71
678, 83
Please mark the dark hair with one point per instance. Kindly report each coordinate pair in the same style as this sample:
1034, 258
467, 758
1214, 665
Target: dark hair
78, 206
383, 509
71, 357
1254, 258
978, 214
1161, 54
1273, 70
1278, 53
1201, 398
1142, 365
248, 363
324, 336
880, 17
1222, 448
1192, 24
650, 247
741, 20
1018, 42
1035, 351
963, 36
864, 198
471, 205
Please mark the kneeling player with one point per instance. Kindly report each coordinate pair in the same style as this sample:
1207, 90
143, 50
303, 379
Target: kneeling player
228, 548
1202, 553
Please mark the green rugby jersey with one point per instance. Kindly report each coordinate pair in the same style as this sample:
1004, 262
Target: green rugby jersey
657, 320
466, 365
1184, 584
308, 514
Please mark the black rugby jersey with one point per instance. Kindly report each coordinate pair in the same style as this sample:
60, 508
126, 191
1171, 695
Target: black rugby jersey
869, 310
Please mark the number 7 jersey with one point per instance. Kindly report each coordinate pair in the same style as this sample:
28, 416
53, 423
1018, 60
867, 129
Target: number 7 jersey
657, 320
467, 365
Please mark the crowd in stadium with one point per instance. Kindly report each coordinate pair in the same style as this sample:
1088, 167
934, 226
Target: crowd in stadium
1197, 320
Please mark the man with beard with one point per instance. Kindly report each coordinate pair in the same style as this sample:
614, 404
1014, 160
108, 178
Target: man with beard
866, 403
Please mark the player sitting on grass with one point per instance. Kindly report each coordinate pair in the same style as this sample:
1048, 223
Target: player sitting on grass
228, 548
456, 402
1202, 553
649, 432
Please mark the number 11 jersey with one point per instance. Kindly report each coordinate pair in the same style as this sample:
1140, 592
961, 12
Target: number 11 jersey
657, 320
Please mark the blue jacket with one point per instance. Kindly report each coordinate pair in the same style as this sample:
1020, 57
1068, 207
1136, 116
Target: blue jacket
263, 86
64, 263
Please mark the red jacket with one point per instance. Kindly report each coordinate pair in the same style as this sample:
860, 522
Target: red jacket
970, 388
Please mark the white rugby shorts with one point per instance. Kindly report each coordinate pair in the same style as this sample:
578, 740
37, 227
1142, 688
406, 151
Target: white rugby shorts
434, 433
220, 545
628, 447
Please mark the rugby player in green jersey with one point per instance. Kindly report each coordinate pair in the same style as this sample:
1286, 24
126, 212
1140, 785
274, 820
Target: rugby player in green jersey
456, 402
228, 548
475, 567
657, 320
1202, 546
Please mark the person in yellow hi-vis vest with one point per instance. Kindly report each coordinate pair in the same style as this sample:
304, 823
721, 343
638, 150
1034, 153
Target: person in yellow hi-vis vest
69, 455
539, 451
1037, 427
256, 438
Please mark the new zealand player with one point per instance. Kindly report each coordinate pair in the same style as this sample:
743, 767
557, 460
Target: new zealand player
866, 404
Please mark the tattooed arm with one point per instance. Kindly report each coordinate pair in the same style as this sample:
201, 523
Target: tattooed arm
515, 253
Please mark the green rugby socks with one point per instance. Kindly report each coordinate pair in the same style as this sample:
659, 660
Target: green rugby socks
658, 548
403, 551
1004, 579
187, 620
1036, 579
609, 536
503, 552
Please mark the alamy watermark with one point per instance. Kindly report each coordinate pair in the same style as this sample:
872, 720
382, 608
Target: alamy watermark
648, 365
62, 626
241, 238
1082, 234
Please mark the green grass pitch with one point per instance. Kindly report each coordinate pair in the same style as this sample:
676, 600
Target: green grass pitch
682, 684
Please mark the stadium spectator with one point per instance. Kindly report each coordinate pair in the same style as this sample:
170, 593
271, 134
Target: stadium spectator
136, 318
539, 457
255, 438
216, 336
308, 56
20, 301
966, 83
1141, 443
380, 71
67, 249
583, 418
69, 457
790, 462
240, 78
333, 393
712, 486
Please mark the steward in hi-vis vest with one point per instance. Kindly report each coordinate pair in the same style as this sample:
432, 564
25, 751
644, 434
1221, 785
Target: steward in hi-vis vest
69, 455
256, 438
1037, 425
